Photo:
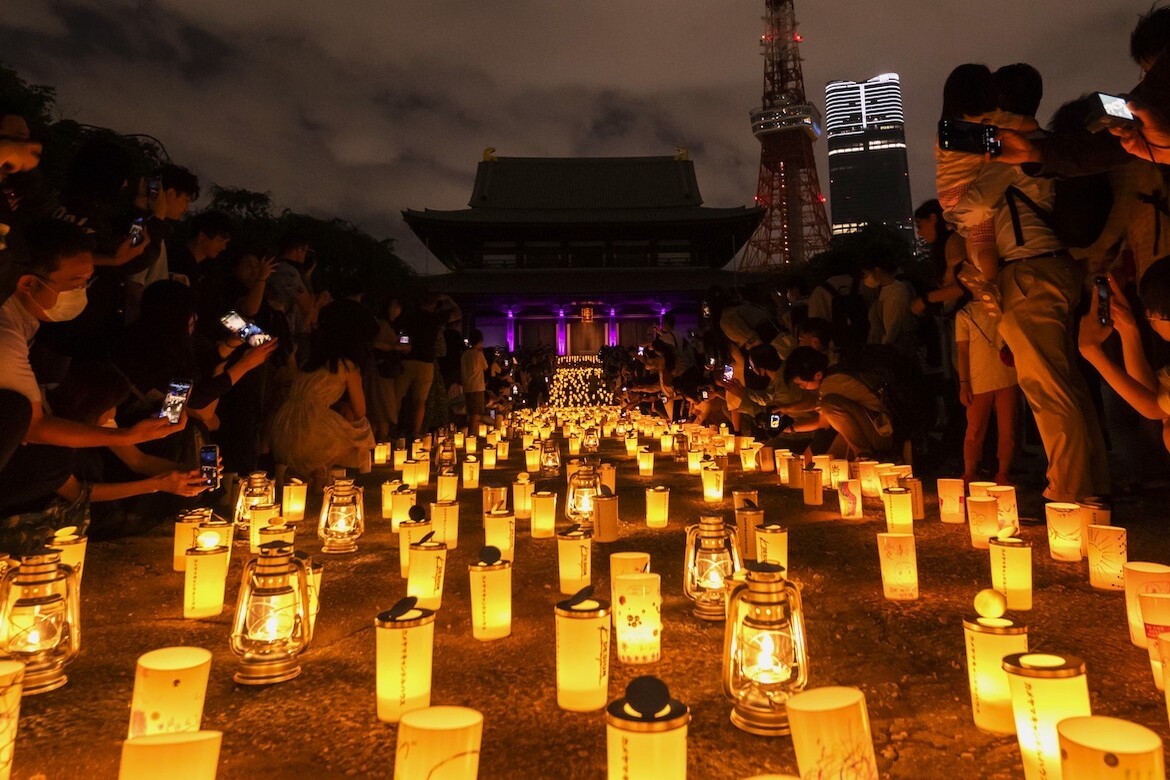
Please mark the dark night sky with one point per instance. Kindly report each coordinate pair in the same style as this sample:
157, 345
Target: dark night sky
360, 109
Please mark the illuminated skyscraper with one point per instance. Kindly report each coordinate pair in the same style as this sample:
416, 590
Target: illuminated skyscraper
869, 181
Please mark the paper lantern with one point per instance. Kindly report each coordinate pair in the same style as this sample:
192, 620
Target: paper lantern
1011, 570
899, 566
983, 516
263, 515
399, 457
979, 488
293, 497
488, 457
917, 500
491, 596
445, 522
448, 486
988, 640
410, 474
205, 576
1163, 641
503, 450
272, 625
422, 470
608, 474
795, 474
712, 559
746, 520
1008, 515
439, 742
342, 517
574, 559
1142, 577
522, 496
412, 530
471, 445
381, 454
1064, 531
499, 531
871, 485
491, 437
1097, 747
1107, 556
1046, 688
571, 469
401, 500
544, 513
11, 689
666, 442
605, 518
470, 473
169, 687
428, 566
645, 462
747, 457
72, 547
657, 506
626, 563
849, 496
39, 619
950, 501
191, 755
830, 731
1155, 608
1093, 512
186, 526
712, 484
899, 510
646, 733
631, 445
765, 659
494, 497
388, 488
772, 545
404, 639
782, 459
745, 498
814, 494
637, 604
582, 652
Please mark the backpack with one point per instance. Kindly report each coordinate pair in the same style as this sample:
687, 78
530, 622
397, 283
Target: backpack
1080, 209
850, 316
896, 379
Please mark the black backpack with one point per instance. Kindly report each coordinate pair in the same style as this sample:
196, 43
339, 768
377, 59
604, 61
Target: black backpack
896, 379
1080, 209
850, 317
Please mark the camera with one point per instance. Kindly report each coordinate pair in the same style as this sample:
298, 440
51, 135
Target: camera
1110, 111
971, 137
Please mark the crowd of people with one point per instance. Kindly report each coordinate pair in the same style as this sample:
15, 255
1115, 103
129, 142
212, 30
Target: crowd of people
134, 335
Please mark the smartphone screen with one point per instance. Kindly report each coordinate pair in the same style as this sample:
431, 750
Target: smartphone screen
970, 137
704, 395
641, 350
209, 464
1104, 300
248, 332
774, 421
1115, 106
137, 231
176, 398
727, 372
404, 339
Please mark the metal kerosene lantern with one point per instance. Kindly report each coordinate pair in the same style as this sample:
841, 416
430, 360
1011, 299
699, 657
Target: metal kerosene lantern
765, 657
711, 560
342, 518
583, 488
550, 458
259, 489
272, 626
590, 441
39, 619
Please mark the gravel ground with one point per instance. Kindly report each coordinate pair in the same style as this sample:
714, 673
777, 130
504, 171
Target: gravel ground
907, 657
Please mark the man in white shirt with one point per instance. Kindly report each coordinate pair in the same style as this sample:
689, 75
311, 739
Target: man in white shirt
472, 366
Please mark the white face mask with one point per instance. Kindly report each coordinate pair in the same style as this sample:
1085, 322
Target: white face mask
69, 304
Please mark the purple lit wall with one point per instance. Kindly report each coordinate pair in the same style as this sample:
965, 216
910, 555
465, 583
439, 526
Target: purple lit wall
562, 334
612, 327
510, 332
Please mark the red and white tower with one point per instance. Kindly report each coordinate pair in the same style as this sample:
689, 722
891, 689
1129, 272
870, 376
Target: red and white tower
795, 225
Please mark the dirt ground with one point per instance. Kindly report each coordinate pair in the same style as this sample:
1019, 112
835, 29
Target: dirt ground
907, 657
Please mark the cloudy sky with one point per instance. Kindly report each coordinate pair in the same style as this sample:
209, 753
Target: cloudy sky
359, 109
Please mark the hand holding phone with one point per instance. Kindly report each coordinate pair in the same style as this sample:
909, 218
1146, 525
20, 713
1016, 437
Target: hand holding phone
1110, 111
1104, 300
971, 137
176, 399
248, 332
209, 465
728, 372
137, 231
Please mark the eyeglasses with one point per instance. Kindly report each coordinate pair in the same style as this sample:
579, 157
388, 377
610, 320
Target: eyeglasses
83, 286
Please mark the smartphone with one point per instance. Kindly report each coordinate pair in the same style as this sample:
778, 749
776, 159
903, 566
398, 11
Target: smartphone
706, 309
137, 231
774, 421
153, 187
491, 414
248, 332
176, 398
1111, 111
1104, 300
705, 395
515, 390
728, 372
641, 351
404, 340
209, 465
710, 362
971, 137
466, 343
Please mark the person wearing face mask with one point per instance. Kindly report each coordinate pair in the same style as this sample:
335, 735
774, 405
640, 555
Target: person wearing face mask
49, 285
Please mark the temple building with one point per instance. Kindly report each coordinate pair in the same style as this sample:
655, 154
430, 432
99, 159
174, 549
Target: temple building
581, 252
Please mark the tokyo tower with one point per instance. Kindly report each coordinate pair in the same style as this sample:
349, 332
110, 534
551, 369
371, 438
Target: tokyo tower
795, 225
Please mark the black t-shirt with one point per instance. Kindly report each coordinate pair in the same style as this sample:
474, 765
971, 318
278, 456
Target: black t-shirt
423, 328
31, 479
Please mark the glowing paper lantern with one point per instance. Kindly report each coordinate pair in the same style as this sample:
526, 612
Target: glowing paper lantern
494, 497
574, 559
499, 531
72, 548
11, 688
1142, 577
849, 495
1093, 512
605, 518
746, 520
694, 461
645, 462
899, 510
748, 457
428, 566
169, 687
381, 454
1008, 515
422, 470
489, 457
1107, 556
988, 640
950, 501
917, 500
439, 742
772, 545
1163, 641
205, 576
544, 512
657, 506
445, 522
838, 471
637, 601
272, 626
814, 494
830, 731
1064, 531
471, 445
399, 457
40, 619
191, 755
470, 473
185, 528
1011, 570
1097, 747
293, 497
979, 488
646, 733
388, 489
410, 474
795, 474
522, 496
1046, 688
491, 595
1155, 609
412, 530
983, 515
448, 487
401, 500
582, 651
871, 485
503, 450
899, 566
632, 444
782, 459
712, 484
626, 563
404, 637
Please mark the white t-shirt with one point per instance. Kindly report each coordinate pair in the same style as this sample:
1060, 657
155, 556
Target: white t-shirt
471, 367
17, 329
974, 325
